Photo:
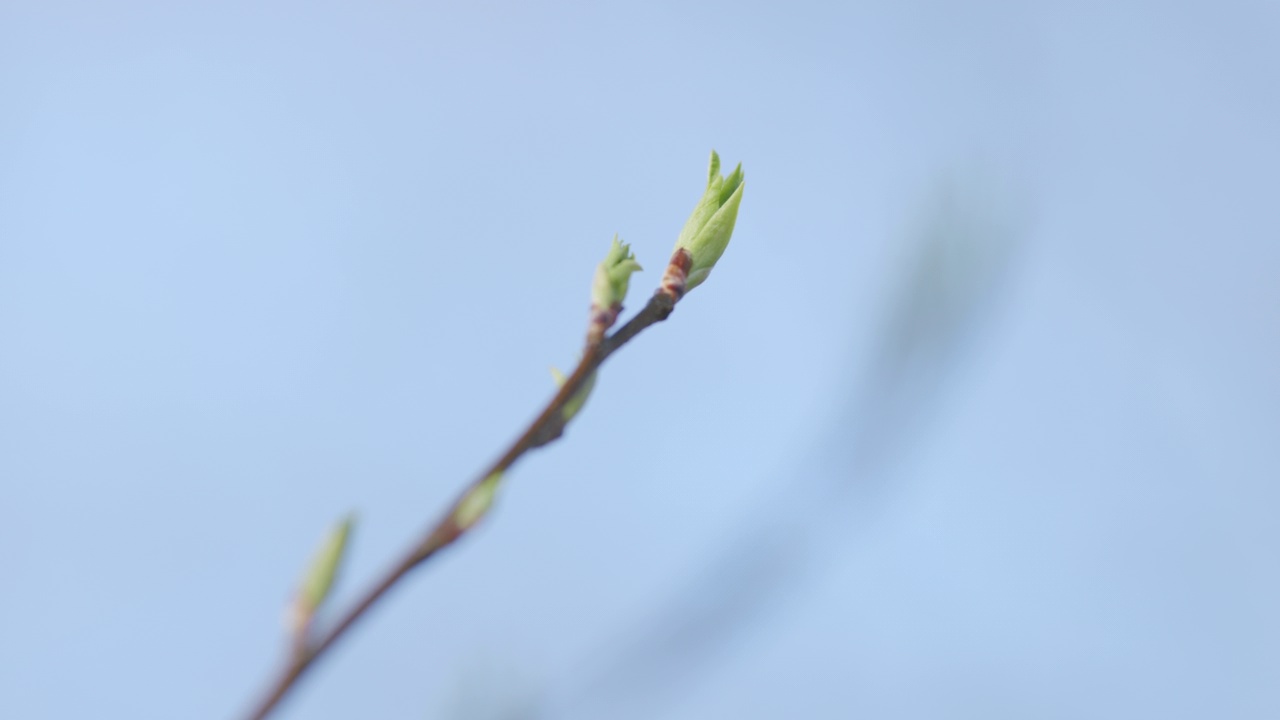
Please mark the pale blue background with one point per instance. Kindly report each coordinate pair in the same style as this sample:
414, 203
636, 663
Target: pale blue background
265, 263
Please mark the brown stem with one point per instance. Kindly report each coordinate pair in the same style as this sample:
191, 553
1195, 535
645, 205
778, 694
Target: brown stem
546, 427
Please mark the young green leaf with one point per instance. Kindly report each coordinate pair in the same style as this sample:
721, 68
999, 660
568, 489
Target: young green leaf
579, 398
320, 576
707, 232
476, 503
613, 274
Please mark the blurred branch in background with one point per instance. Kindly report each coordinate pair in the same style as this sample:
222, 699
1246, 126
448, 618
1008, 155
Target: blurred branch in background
960, 253
486, 692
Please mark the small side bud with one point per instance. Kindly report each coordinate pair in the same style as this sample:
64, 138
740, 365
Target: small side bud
320, 577
706, 234
579, 398
609, 288
476, 503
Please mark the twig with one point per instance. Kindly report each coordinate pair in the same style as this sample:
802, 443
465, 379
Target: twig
545, 428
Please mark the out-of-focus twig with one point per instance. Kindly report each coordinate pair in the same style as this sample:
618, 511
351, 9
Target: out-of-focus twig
960, 250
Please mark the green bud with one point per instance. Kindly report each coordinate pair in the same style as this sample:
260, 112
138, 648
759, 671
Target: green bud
707, 232
579, 399
476, 503
609, 287
324, 568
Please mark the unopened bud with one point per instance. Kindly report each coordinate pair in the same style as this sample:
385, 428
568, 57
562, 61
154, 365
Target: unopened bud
706, 234
579, 398
476, 503
320, 576
609, 287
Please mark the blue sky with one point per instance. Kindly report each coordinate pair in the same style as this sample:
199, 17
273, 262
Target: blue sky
265, 264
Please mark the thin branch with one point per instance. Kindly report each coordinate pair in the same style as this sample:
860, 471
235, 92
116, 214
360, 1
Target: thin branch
548, 426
